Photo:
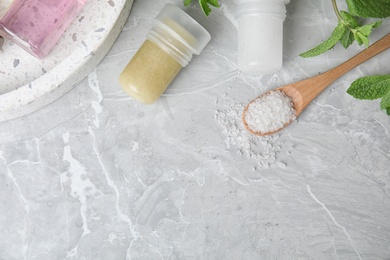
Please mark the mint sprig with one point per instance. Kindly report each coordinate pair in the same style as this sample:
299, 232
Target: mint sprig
349, 26
372, 87
204, 4
349, 30
362, 33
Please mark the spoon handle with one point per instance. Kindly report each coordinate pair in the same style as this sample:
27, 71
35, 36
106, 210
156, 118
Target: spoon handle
373, 50
306, 90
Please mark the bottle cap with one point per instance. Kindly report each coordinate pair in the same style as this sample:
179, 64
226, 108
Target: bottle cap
260, 35
179, 34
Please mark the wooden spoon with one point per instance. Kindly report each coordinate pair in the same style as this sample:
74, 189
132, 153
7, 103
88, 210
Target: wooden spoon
303, 92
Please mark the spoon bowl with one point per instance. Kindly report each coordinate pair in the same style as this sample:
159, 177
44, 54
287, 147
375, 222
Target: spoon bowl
247, 125
303, 92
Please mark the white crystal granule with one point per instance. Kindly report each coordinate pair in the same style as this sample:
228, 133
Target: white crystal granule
269, 112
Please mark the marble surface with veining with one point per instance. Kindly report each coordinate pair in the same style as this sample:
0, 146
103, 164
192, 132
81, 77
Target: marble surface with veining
96, 175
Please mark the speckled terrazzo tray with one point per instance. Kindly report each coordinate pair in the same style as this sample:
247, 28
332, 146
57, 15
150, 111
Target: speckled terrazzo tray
28, 84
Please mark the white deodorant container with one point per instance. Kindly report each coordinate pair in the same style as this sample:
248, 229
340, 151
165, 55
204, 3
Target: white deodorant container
260, 35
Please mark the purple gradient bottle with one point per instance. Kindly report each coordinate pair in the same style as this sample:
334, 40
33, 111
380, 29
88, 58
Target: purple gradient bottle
37, 25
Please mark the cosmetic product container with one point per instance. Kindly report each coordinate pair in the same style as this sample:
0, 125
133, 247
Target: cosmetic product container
260, 35
37, 25
169, 46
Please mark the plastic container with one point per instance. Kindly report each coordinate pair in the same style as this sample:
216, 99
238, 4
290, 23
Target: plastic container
169, 46
37, 25
260, 35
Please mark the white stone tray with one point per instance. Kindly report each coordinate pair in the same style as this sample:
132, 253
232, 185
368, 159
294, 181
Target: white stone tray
28, 84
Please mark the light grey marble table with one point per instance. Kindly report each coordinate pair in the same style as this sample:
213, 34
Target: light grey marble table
95, 175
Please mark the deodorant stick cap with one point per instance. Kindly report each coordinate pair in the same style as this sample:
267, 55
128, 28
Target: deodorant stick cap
260, 35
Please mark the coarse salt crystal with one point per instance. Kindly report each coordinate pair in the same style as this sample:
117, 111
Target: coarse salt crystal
264, 150
269, 112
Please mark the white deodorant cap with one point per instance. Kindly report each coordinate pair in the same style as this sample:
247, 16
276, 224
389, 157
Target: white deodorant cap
260, 35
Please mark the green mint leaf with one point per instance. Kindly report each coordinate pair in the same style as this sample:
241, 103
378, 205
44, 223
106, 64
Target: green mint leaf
369, 8
347, 39
214, 3
388, 111
362, 33
328, 44
205, 4
385, 102
349, 19
370, 87
205, 7
351, 23
187, 2
361, 38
